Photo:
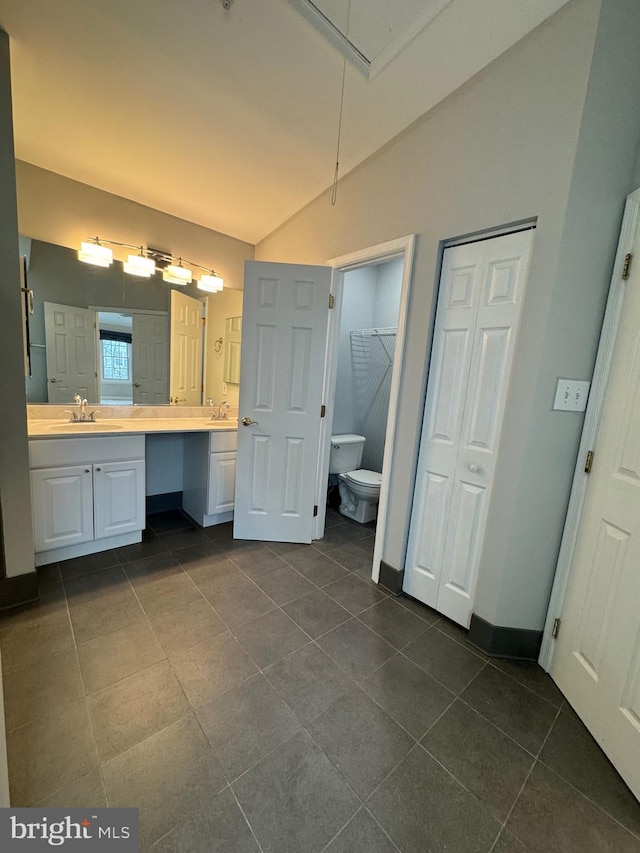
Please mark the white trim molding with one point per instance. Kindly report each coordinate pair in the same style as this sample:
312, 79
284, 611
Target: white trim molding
591, 428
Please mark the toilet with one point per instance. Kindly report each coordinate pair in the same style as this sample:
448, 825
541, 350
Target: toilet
359, 488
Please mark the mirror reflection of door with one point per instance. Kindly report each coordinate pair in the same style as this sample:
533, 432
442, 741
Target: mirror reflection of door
71, 353
186, 378
232, 350
150, 361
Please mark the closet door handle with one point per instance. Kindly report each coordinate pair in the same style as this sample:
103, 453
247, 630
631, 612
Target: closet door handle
474, 467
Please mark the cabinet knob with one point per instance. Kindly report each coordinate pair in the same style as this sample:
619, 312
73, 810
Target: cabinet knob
98, 469
474, 467
87, 470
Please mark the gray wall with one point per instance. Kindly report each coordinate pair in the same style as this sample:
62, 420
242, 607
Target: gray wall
15, 500
358, 303
503, 149
603, 174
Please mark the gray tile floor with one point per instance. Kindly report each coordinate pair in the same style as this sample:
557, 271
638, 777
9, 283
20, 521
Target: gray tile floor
267, 697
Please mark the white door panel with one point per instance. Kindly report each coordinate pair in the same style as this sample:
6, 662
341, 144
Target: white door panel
479, 305
149, 359
185, 372
284, 322
71, 353
597, 657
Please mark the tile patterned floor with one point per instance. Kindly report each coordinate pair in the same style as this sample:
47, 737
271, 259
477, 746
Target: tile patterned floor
248, 696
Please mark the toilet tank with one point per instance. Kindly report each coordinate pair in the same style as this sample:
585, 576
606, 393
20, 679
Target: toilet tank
346, 453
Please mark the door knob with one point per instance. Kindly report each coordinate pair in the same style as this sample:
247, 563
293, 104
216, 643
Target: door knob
136, 384
474, 467
248, 422
53, 379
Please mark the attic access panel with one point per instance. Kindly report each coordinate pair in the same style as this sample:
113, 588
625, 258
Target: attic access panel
374, 31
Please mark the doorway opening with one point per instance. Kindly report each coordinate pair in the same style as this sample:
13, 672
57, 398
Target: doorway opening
365, 346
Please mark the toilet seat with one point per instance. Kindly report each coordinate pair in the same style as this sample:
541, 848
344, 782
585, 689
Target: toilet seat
367, 483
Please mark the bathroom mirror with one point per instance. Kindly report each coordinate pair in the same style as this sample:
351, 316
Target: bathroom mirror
232, 342
125, 359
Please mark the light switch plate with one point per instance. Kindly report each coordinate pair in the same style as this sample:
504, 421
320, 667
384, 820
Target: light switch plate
571, 395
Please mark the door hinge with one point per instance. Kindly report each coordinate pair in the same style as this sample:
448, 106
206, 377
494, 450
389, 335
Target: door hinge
204, 321
323, 411
626, 266
588, 462
315, 510
556, 628
332, 300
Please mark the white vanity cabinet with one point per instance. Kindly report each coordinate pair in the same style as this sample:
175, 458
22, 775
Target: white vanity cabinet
208, 494
87, 494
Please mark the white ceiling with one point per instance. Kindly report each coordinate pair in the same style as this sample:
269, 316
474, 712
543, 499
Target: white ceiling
227, 118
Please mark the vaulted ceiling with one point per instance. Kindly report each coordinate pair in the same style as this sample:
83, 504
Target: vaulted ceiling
229, 117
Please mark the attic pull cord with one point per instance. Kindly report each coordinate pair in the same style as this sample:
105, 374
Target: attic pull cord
334, 190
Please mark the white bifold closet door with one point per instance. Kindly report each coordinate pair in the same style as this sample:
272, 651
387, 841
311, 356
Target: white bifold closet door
480, 300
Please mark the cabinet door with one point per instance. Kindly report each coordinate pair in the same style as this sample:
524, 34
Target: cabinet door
222, 482
118, 498
62, 500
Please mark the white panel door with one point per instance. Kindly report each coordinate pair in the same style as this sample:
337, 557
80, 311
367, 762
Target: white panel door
597, 657
150, 364
284, 335
118, 498
479, 305
185, 373
71, 353
62, 501
222, 482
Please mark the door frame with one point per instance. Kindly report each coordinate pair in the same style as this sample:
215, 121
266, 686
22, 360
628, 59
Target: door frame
591, 427
402, 247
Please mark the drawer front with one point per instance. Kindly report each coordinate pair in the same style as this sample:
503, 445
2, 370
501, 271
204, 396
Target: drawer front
223, 441
75, 450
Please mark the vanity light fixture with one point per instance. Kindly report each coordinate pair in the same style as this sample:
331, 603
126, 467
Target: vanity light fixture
148, 261
93, 252
211, 283
177, 274
140, 265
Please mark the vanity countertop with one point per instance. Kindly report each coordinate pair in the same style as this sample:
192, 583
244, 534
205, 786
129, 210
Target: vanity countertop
126, 426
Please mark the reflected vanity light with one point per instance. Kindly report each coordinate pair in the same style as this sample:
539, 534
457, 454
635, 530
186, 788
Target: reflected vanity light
147, 261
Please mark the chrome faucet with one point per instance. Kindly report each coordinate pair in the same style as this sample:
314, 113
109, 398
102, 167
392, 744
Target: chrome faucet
220, 413
82, 416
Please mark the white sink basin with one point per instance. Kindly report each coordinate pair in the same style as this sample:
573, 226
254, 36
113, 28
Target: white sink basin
84, 426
